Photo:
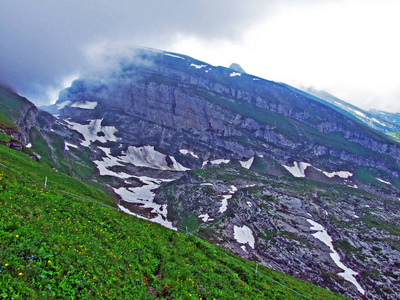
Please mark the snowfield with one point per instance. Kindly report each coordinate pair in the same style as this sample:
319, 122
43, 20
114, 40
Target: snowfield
146, 156
85, 105
67, 145
247, 163
90, 132
233, 74
186, 152
63, 104
198, 66
323, 236
225, 198
243, 235
298, 169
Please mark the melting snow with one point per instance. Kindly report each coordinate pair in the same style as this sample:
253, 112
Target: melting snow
247, 163
85, 105
383, 181
67, 145
146, 156
144, 196
205, 218
91, 130
380, 123
323, 236
243, 248
63, 104
109, 161
298, 169
185, 152
176, 56
198, 66
233, 74
232, 189
244, 235
360, 113
219, 161
29, 145
341, 174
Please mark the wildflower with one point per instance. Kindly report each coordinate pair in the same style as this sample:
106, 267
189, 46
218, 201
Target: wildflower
17, 236
19, 274
6, 265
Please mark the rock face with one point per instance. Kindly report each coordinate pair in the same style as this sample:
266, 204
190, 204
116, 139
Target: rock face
169, 101
252, 165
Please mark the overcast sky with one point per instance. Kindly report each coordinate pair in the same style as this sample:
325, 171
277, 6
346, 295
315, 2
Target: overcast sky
348, 48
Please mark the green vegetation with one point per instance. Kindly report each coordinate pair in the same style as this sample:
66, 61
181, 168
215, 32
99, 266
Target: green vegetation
6, 123
62, 245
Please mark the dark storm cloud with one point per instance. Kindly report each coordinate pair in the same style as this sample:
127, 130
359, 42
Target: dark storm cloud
43, 41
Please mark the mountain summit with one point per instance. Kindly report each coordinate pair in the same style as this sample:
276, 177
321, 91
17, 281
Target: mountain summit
236, 67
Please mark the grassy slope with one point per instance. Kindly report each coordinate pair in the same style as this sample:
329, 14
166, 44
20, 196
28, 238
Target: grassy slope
57, 245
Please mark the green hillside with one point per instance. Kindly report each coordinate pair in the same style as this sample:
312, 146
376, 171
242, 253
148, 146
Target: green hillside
68, 241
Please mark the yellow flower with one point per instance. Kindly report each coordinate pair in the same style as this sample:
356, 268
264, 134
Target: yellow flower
17, 236
6, 265
49, 261
19, 274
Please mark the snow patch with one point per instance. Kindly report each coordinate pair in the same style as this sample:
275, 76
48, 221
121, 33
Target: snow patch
185, 152
63, 104
233, 74
176, 56
243, 248
146, 156
383, 181
90, 131
205, 218
244, 235
247, 163
85, 105
29, 145
380, 123
107, 162
341, 174
198, 66
323, 236
144, 196
298, 169
224, 206
357, 217
219, 161
67, 145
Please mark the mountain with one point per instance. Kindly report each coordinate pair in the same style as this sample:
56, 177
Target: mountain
384, 122
68, 240
269, 172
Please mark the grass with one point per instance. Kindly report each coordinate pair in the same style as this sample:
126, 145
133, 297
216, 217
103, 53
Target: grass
56, 245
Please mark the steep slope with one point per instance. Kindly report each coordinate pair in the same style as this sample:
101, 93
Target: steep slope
267, 161
385, 122
64, 241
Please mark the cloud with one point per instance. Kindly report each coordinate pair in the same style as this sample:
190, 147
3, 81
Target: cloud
43, 42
